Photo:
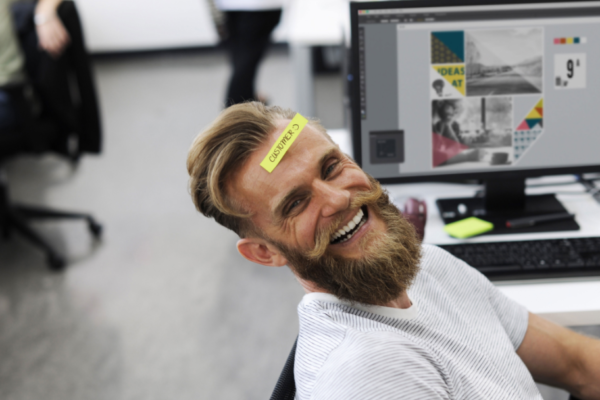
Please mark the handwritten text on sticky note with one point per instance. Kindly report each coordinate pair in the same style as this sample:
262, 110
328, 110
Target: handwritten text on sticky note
283, 143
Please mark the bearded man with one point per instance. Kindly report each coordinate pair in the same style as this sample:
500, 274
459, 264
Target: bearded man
384, 317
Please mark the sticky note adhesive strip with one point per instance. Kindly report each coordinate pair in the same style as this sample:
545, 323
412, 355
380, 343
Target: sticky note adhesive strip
283, 143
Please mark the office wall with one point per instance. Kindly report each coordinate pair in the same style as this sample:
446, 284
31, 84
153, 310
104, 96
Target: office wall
133, 25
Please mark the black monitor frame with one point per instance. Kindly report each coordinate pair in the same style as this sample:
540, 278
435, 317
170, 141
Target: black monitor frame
504, 190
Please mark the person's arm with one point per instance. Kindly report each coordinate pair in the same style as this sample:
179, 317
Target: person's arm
559, 357
454, 129
438, 127
52, 35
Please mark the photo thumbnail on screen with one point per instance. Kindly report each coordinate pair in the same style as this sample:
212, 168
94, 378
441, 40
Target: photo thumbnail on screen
475, 77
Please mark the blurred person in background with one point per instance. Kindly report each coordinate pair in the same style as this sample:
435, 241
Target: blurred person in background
52, 38
46, 81
246, 30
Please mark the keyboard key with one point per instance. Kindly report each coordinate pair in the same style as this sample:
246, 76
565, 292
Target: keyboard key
528, 266
576, 264
499, 268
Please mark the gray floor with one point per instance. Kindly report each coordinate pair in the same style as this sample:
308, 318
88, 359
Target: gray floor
163, 307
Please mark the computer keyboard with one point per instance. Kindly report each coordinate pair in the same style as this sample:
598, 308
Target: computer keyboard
532, 259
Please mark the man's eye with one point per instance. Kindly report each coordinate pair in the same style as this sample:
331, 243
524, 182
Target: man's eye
294, 205
330, 169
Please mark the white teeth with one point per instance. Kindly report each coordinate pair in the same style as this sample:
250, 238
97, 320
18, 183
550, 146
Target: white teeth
358, 216
350, 237
351, 225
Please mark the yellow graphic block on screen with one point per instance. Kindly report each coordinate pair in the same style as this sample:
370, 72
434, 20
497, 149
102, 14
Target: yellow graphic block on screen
454, 74
533, 114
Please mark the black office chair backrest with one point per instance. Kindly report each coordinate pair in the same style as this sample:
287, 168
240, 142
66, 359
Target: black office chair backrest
285, 389
64, 86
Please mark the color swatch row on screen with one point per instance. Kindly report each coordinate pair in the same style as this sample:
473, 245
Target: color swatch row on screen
571, 40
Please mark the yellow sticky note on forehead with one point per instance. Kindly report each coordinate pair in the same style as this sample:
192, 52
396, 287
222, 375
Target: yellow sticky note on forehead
283, 143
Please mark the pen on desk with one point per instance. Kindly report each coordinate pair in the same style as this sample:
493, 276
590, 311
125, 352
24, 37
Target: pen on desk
531, 221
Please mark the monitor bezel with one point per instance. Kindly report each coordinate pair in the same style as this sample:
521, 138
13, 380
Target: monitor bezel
454, 176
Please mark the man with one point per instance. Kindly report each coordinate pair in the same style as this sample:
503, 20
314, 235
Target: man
248, 28
384, 317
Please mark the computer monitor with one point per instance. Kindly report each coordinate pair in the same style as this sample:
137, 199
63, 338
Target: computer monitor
496, 91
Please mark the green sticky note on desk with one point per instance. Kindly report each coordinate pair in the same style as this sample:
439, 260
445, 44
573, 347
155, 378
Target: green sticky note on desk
468, 227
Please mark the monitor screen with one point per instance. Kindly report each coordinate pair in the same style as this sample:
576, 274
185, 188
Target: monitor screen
446, 92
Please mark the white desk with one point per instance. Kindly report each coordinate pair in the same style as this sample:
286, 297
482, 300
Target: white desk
568, 302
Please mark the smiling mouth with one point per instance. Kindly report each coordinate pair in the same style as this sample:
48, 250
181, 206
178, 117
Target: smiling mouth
346, 233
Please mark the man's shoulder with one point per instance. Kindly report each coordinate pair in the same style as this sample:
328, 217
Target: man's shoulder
379, 365
438, 261
343, 354
435, 259
327, 325
442, 273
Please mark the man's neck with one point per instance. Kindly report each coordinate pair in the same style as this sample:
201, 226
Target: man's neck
402, 301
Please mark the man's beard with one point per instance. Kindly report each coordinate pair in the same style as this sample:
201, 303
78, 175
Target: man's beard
388, 267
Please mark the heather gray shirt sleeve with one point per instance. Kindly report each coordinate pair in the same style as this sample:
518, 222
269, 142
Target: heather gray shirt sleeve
513, 316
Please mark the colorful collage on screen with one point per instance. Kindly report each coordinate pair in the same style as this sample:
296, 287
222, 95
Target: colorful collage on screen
479, 81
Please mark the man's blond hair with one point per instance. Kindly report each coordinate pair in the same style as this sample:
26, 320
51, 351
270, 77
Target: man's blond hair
223, 148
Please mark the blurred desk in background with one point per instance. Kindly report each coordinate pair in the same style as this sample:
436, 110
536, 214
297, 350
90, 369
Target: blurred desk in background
136, 25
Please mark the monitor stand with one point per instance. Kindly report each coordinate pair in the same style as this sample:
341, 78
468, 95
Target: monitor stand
505, 199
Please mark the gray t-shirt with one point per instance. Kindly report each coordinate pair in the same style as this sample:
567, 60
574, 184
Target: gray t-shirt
458, 340
11, 59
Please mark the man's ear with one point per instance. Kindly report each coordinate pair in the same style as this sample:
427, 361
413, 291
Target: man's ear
261, 252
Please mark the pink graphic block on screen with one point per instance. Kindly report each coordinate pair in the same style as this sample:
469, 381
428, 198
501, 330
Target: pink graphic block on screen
523, 126
444, 149
557, 41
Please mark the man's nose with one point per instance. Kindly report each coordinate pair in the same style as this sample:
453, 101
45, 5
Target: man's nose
331, 198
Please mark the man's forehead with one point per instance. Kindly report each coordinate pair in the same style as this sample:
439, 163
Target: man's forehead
256, 188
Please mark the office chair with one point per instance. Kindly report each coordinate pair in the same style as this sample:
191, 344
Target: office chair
285, 388
56, 112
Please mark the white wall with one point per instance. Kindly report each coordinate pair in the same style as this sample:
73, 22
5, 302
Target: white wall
129, 25
126, 25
